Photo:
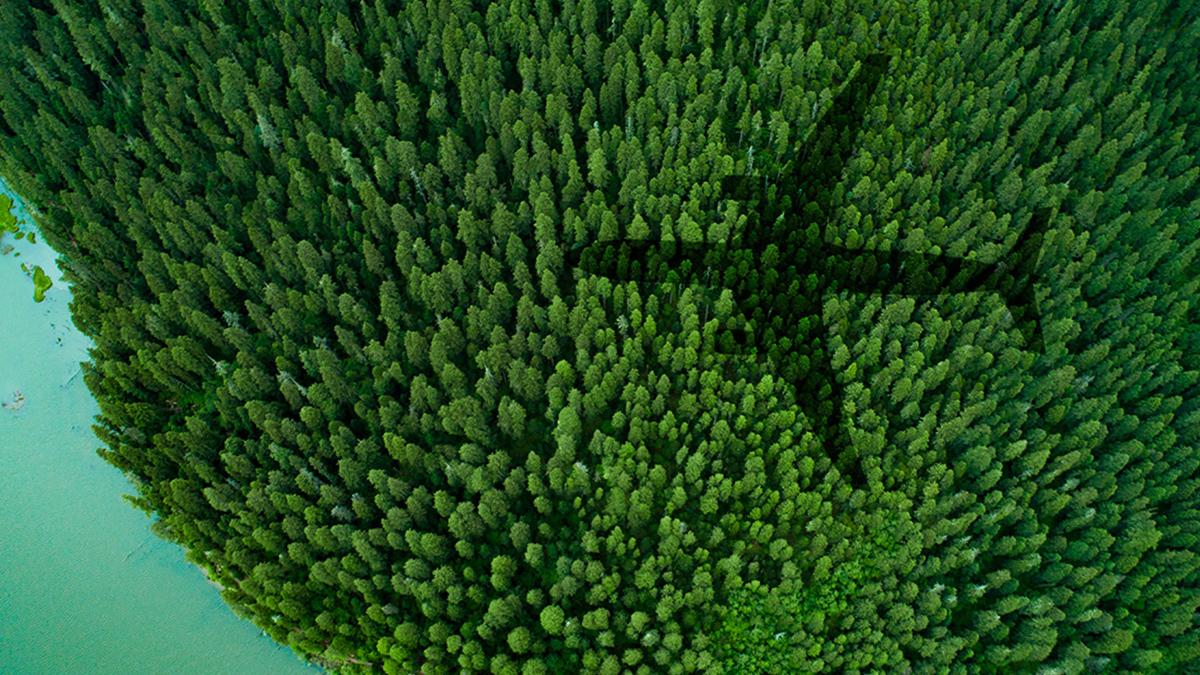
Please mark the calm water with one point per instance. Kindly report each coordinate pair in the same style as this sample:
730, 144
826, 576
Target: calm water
84, 586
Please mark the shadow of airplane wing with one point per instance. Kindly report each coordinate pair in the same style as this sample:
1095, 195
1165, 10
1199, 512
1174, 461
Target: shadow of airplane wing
929, 275
803, 192
807, 178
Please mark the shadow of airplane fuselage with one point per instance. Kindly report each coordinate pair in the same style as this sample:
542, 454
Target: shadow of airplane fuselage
780, 269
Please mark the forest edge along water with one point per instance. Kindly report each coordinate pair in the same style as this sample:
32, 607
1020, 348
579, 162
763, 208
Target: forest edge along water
85, 587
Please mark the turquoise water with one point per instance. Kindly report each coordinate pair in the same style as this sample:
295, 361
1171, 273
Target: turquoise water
84, 586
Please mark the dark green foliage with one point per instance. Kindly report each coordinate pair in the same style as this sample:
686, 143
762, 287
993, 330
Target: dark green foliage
321, 250
8, 220
41, 283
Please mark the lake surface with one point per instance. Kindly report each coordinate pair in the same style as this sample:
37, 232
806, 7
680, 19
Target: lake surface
84, 586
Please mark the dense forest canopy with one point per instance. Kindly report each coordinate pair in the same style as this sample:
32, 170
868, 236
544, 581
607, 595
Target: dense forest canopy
322, 249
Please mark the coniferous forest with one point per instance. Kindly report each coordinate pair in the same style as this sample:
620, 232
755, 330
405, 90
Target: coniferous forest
329, 254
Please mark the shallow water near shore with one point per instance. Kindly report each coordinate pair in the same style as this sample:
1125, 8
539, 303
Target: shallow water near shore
84, 586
